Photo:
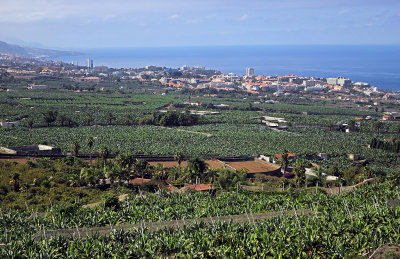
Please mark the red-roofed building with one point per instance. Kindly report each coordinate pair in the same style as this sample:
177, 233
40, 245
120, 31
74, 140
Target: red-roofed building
202, 187
290, 156
139, 181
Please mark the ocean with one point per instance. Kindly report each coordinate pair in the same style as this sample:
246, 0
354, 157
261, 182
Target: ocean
377, 65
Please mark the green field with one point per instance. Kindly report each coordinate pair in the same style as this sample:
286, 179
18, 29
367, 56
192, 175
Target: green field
347, 225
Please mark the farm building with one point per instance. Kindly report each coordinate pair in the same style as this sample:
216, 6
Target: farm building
139, 181
8, 124
310, 172
31, 150
37, 87
323, 156
277, 157
354, 157
201, 187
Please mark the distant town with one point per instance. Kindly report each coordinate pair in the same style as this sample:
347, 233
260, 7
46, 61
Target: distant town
195, 77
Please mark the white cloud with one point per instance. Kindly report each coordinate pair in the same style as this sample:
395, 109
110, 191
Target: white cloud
344, 11
243, 17
174, 16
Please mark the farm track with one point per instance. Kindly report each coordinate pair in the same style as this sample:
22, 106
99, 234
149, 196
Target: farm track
155, 226
189, 131
331, 190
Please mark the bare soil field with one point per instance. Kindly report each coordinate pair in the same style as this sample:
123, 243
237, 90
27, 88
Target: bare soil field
18, 160
255, 167
169, 164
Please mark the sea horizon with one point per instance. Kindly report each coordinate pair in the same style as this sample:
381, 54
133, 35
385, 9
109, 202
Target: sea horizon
378, 65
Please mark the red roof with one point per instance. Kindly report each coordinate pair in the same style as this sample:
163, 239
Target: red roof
200, 187
290, 155
139, 181
358, 119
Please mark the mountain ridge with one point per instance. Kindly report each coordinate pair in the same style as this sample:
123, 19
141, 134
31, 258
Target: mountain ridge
17, 50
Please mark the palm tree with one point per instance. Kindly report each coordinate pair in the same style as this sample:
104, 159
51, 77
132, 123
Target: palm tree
179, 158
284, 182
378, 126
159, 172
299, 171
75, 148
320, 175
110, 118
111, 174
196, 167
284, 162
141, 167
104, 152
89, 143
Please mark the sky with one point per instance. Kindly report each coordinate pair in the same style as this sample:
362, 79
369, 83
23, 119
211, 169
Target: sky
77, 24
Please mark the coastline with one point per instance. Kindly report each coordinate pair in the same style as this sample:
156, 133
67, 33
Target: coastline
377, 65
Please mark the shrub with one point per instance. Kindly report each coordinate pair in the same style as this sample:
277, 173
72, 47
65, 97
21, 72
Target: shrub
111, 201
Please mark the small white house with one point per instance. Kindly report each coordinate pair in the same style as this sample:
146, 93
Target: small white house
9, 124
323, 156
37, 87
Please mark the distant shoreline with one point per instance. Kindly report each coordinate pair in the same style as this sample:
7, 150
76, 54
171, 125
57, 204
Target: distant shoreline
375, 64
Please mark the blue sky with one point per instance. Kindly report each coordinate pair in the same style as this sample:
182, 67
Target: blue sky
116, 23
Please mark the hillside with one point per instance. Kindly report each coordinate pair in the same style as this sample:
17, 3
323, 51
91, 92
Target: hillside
17, 50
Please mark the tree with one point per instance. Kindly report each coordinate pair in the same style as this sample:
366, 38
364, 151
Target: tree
50, 117
352, 125
123, 164
378, 126
62, 119
104, 152
30, 123
110, 117
75, 148
179, 158
159, 172
70, 122
284, 182
141, 167
90, 143
367, 173
319, 175
88, 119
299, 171
284, 162
196, 167
90, 176
128, 120
14, 182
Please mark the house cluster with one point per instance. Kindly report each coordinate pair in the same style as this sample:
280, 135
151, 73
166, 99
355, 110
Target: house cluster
197, 77
391, 116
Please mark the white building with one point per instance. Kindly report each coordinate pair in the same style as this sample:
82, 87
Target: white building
249, 71
339, 81
37, 87
9, 124
317, 88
